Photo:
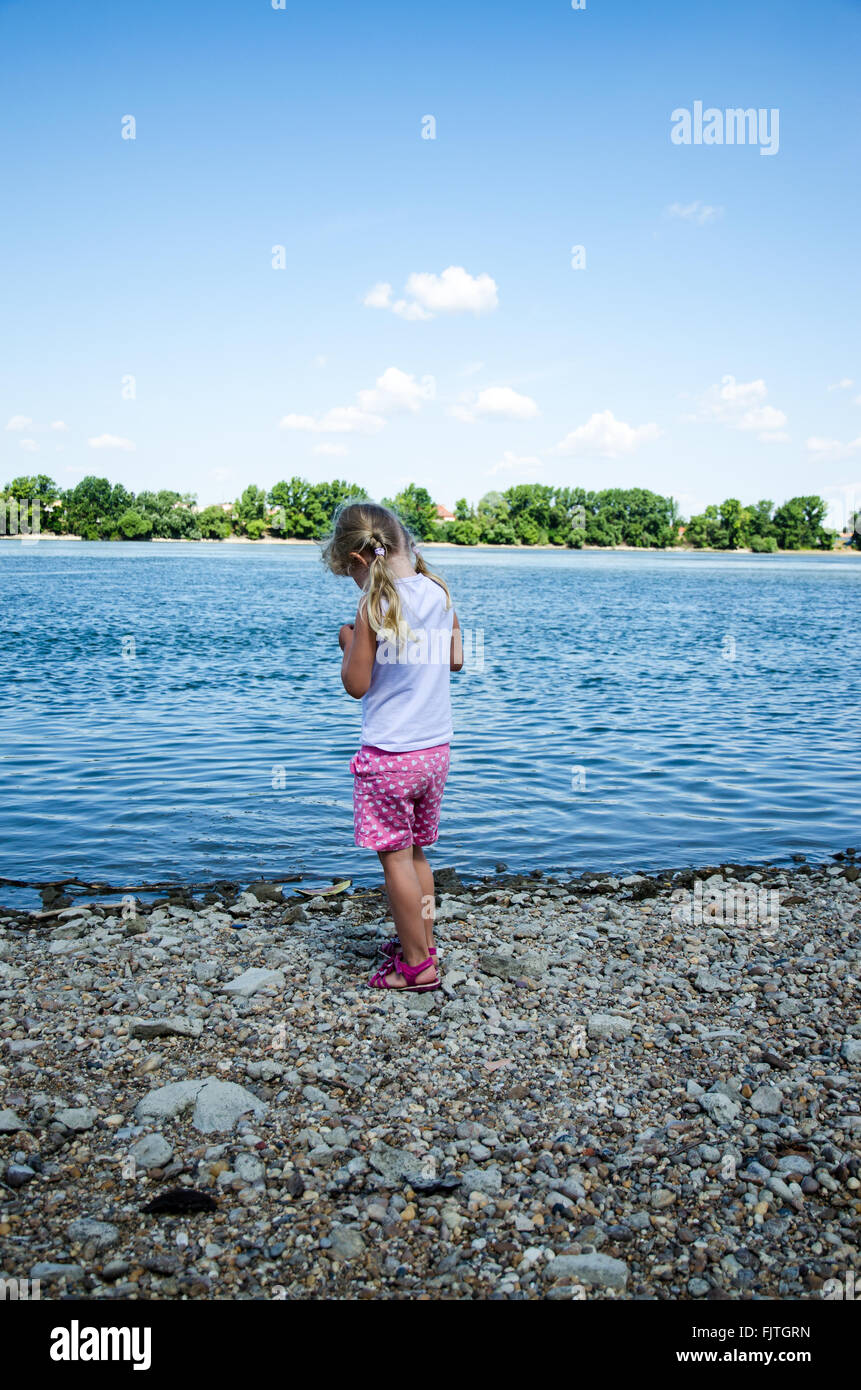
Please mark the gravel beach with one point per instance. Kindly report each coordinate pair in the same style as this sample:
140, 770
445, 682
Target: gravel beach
644, 1088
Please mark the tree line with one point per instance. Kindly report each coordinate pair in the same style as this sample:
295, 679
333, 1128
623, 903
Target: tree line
526, 514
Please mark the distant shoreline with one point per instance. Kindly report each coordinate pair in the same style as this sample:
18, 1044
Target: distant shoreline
451, 545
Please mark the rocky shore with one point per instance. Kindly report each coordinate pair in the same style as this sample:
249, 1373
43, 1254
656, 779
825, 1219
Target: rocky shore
643, 1088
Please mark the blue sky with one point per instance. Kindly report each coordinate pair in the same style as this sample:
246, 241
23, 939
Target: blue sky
708, 348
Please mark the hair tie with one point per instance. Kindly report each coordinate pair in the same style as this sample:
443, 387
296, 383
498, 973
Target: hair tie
379, 550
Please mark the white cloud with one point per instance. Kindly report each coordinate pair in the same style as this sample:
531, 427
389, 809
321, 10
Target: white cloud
410, 311
455, 291
59, 425
320, 360
739, 405
605, 436
521, 463
496, 402
698, 213
471, 368
19, 422
344, 419
833, 448
29, 446
111, 441
379, 297
842, 385
337, 449
763, 417
396, 390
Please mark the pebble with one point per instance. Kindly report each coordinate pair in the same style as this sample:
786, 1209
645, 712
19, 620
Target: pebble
597, 1079
593, 1269
152, 1151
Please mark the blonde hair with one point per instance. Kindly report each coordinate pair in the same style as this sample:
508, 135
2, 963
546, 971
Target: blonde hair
365, 527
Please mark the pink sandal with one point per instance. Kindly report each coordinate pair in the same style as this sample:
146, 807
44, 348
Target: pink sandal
392, 948
410, 974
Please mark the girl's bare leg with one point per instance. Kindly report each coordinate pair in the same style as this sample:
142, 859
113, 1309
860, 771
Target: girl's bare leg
424, 874
405, 899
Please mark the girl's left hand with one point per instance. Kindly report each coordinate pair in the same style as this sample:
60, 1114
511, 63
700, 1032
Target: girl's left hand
345, 629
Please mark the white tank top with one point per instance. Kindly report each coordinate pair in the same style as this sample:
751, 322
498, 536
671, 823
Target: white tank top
408, 704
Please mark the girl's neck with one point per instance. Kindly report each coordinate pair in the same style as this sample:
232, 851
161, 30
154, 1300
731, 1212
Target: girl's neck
401, 566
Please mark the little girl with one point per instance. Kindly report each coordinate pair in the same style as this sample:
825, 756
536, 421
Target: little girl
397, 658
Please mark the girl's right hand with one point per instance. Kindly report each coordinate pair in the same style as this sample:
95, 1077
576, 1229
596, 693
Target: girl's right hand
342, 634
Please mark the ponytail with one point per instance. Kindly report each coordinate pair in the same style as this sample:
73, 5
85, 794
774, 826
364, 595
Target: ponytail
421, 568
382, 586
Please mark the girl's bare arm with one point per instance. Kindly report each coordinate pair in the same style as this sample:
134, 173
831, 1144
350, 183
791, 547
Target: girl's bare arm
456, 659
359, 644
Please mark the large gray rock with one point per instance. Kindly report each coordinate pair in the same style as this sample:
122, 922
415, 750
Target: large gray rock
77, 1119
486, 1180
249, 1168
10, 1123
707, 983
851, 1051
168, 1101
506, 966
17, 1174
164, 1027
152, 1151
220, 1104
394, 1166
252, 980
720, 1108
85, 1229
609, 1026
592, 1269
347, 1244
767, 1100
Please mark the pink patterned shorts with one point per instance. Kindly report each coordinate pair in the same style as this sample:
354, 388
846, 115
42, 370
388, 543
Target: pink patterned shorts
397, 796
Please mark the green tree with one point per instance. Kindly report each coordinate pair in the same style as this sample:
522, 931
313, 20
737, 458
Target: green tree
250, 507
171, 513
529, 508
463, 532
798, 525
734, 523
494, 520
94, 507
705, 531
41, 489
760, 526
417, 510
134, 527
214, 524
305, 510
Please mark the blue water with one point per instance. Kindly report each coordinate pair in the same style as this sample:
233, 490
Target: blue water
634, 711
